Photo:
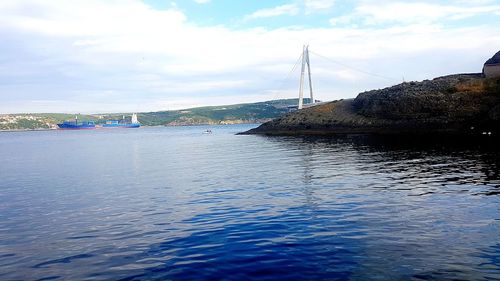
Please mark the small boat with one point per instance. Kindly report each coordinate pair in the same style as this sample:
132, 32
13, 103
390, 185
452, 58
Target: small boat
134, 123
75, 125
207, 131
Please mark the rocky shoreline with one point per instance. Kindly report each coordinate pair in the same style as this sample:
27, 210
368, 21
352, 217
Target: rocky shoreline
455, 104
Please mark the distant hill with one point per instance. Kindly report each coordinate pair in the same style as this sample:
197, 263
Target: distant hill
226, 114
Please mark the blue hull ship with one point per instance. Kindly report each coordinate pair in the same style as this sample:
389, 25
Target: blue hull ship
134, 123
75, 125
112, 124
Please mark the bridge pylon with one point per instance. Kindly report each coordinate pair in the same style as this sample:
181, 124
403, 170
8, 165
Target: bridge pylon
305, 61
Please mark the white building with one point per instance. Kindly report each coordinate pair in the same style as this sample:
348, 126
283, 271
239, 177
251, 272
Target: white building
491, 68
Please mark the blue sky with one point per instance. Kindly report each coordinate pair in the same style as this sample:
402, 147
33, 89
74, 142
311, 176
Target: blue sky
94, 56
238, 14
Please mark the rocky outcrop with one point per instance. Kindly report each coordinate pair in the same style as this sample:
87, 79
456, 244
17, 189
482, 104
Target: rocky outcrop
455, 104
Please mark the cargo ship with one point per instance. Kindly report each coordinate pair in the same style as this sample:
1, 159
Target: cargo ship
75, 125
134, 123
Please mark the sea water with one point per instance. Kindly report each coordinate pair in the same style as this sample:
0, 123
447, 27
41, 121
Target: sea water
173, 203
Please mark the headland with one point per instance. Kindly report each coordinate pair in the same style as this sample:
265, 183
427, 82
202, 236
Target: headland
454, 104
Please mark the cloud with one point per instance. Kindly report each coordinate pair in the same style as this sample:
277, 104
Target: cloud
202, 1
312, 6
307, 7
87, 18
412, 12
287, 9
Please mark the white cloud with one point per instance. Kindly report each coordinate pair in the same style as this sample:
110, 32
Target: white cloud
293, 9
342, 20
287, 9
202, 1
413, 12
88, 18
312, 6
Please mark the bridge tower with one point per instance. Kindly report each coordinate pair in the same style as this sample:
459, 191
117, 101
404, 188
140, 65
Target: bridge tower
305, 61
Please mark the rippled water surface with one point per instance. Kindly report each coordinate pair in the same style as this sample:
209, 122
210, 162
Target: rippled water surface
173, 203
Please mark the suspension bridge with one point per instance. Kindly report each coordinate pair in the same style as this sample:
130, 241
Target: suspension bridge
306, 66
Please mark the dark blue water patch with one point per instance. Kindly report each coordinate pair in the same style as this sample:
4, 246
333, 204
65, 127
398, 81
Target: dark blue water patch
63, 260
7, 255
82, 237
49, 278
253, 251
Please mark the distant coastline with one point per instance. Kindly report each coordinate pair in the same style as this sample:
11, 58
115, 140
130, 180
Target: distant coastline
154, 126
26, 130
250, 113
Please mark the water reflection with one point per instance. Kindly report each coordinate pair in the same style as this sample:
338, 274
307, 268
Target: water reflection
418, 162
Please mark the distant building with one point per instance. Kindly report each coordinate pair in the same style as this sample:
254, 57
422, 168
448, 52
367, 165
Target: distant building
491, 68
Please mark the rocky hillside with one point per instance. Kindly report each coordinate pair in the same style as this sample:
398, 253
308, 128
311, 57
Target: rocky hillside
461, 104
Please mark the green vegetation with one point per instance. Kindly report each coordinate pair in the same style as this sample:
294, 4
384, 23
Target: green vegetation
228, 114
238, 113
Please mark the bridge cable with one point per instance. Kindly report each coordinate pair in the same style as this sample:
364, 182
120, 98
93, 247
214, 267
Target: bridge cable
354, 68
276, 96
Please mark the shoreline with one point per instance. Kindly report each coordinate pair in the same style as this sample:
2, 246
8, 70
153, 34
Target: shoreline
142, 126
26, 130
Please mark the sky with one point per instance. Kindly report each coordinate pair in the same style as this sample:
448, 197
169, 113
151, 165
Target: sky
103, 56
